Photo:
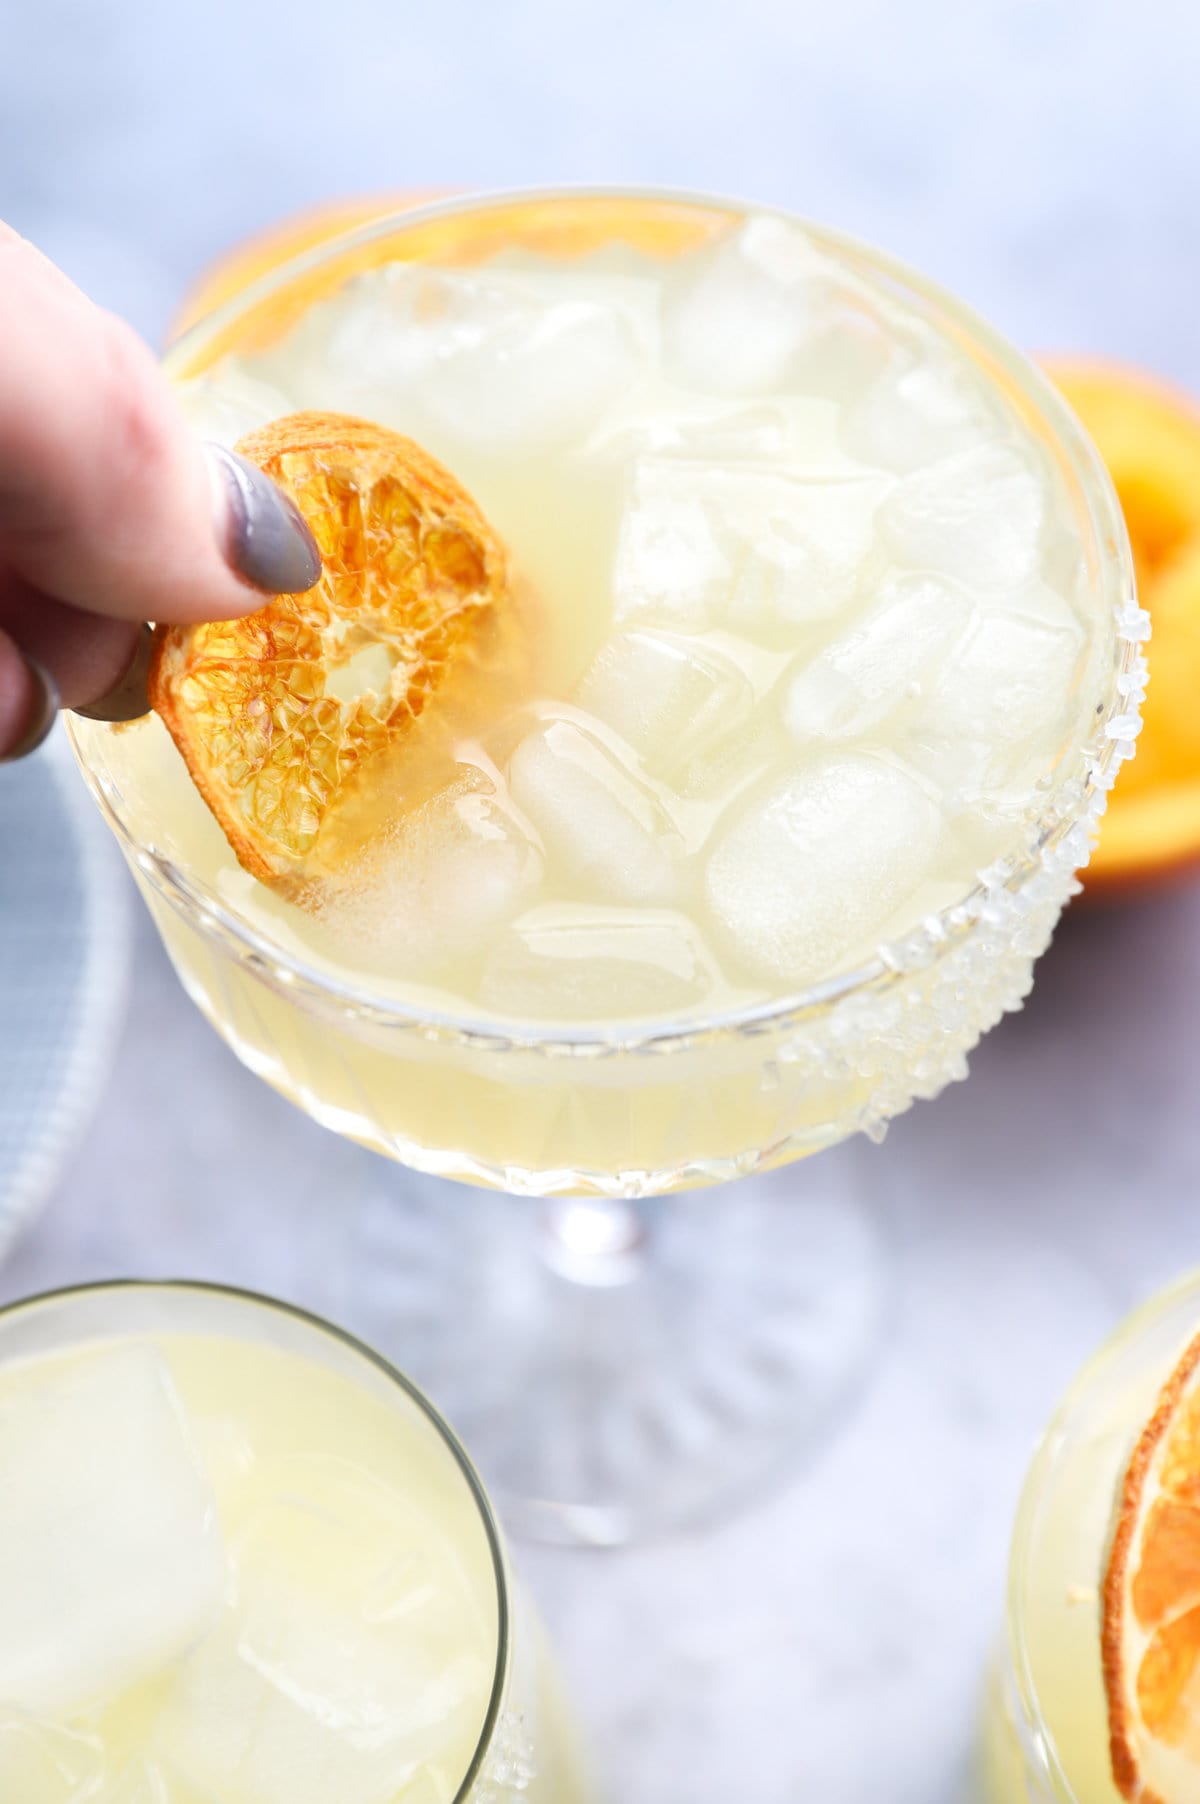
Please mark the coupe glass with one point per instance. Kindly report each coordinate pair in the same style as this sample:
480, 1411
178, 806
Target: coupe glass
622, 1364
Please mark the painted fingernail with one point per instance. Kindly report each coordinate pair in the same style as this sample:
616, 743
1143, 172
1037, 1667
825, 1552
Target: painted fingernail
265, 537
126, 700
43, 712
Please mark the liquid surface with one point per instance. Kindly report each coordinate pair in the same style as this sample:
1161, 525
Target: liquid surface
230, 1576
813, 611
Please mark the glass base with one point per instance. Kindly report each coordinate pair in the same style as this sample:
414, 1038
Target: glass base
618, 1370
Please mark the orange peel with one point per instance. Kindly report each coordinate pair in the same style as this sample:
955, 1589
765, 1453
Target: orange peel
1150, 1635
295, 722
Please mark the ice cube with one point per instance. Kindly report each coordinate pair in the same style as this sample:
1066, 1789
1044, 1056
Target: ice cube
720, 767
230, 402
142, 1782
748, 432
432, 890
757, 550
307, 1690
367, 348
668, 698
1005, 695
888, 660
810, 871
614, 273
578, 963
919, 412
604, 833
111, 1561
542, 379
43, 1764
846, 351
724, 436
737, 316
670, 563
475, 361
228, 1455
977, 516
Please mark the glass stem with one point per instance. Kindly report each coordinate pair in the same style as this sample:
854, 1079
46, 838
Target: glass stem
596, 1241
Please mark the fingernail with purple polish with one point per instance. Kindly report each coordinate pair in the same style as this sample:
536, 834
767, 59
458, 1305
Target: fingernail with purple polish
265, 536
42, 714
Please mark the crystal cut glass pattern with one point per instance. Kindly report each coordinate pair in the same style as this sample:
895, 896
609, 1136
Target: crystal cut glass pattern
849, 1061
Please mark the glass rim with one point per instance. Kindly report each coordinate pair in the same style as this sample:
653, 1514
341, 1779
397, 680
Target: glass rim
1145, 1316
1094, 765
256, 1300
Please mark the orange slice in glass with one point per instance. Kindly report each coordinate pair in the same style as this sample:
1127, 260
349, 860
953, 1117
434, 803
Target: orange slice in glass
1151, 1625
299, 724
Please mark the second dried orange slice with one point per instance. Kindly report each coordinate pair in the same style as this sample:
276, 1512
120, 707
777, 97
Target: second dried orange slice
1151, 1627
289, 718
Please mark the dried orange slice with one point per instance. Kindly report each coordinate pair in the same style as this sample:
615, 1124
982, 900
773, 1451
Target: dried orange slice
291, 720
1151, 1625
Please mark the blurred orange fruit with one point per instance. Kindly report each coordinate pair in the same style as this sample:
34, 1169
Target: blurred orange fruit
1151, 1602
1149, 436
292, 721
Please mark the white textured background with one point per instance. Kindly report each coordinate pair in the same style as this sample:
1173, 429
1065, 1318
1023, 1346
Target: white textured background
1041, 158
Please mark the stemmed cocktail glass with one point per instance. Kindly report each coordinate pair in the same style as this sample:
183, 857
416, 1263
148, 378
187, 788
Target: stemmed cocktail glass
619, 1362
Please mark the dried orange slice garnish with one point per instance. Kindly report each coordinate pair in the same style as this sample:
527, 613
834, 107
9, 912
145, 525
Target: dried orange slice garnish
1151, 1624
1149, 436
292, 720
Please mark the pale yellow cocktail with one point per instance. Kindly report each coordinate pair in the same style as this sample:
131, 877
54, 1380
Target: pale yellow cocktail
242, 1562
827, 608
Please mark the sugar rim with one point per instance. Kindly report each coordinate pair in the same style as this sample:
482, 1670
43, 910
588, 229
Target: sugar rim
1094, 771
255, 1300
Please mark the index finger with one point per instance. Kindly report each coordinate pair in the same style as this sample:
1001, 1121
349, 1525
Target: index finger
107, 500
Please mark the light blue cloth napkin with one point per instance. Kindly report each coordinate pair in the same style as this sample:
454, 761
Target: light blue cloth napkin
64, 953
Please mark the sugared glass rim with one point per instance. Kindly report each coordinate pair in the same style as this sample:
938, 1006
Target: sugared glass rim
325, 994
1049, 1448
258, 1300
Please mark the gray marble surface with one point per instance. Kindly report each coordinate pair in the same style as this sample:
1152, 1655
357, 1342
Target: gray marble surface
831, 1641
1042, 159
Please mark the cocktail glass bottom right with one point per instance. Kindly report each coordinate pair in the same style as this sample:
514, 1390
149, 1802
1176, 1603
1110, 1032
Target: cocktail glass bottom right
1095, 1696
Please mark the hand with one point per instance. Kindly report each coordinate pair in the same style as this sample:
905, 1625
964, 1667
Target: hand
111, 512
